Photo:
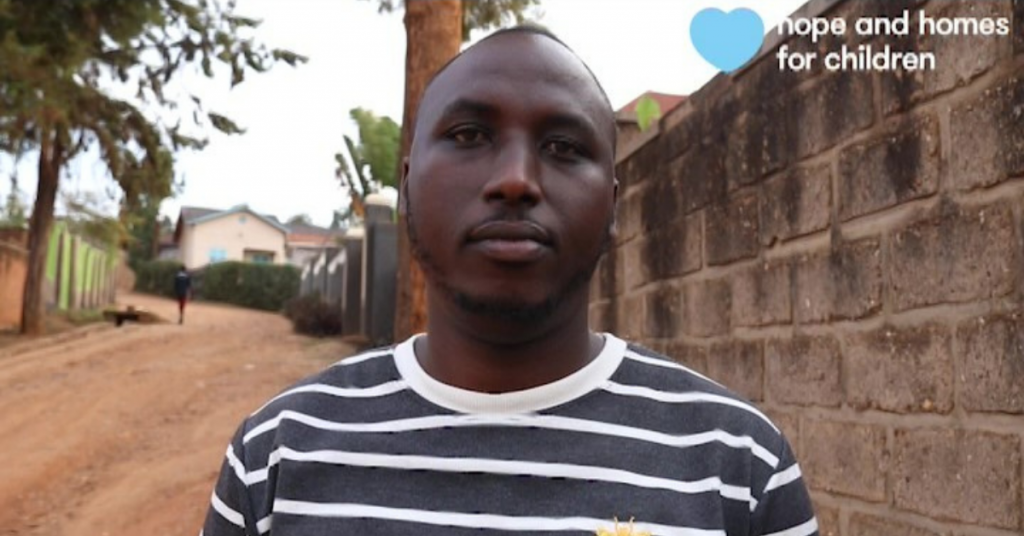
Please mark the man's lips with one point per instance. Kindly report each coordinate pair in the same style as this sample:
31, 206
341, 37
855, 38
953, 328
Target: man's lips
510, 241
510, 231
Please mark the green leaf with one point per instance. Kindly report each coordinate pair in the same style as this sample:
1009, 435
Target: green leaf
289, 57
224, 124
647, 112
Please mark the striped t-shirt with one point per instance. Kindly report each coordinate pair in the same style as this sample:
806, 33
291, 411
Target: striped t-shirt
375, 446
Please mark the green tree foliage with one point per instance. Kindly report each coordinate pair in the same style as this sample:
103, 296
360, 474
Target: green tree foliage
61, 59
63, 65
647, 112
143, 229
85, 217
13, 212
366, 167
300, 219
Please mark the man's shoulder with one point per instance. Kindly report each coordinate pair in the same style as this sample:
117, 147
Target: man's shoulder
364, 376
653, 368
658, 378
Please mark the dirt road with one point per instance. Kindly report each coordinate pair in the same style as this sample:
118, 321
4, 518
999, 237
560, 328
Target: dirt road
121, 431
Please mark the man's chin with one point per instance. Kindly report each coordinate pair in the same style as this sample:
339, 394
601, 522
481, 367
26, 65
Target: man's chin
518, 311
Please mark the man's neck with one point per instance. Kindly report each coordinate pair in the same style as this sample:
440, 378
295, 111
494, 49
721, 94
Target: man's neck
493, 356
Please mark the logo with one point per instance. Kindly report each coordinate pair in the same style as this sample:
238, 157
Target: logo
622, 530
727, 40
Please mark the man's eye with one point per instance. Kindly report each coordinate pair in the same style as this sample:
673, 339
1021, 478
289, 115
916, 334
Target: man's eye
468, 135
562, 149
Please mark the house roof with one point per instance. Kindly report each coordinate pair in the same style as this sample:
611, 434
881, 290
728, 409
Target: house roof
666, 101
196, 215
304, 229
189, 214
300, 233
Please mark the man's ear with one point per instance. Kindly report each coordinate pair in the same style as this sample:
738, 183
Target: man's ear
403, 192
614, 226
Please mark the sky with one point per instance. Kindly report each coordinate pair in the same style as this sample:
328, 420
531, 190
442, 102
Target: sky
295, 117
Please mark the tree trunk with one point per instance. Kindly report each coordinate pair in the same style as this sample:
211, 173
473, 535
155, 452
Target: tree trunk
433, 33
33, 312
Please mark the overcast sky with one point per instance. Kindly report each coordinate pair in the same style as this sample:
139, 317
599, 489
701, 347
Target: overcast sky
295, 118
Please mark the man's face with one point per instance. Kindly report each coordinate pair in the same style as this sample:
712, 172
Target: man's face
510, 196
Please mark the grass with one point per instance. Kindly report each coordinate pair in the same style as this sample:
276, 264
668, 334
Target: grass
83, 317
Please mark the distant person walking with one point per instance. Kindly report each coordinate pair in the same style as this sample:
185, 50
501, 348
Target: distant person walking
183, 290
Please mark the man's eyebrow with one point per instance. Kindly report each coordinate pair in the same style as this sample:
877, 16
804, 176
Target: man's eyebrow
572, 121
469, 107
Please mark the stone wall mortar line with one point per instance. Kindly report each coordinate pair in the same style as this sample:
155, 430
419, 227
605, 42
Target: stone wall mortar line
1001, 424
852, 506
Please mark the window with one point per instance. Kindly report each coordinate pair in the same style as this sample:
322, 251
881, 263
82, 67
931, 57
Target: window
242, 219
218, 255
258, 257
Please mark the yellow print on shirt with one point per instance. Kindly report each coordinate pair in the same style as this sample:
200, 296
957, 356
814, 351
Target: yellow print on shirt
623, 530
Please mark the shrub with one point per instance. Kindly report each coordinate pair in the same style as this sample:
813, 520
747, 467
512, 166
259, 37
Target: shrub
310, 315
257, 286
156, 277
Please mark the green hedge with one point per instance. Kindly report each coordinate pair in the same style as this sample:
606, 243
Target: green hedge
257, 286
156, 277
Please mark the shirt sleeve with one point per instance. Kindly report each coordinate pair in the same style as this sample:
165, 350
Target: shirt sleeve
785, 506
230, 511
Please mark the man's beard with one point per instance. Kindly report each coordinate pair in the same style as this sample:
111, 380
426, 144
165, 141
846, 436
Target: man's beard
503, 309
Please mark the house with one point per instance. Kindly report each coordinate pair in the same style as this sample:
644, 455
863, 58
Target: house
630, 136
306, 242
205, 236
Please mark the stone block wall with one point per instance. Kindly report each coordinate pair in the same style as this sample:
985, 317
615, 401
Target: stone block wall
846, 249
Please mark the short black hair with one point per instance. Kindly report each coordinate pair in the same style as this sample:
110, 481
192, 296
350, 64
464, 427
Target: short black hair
536, 29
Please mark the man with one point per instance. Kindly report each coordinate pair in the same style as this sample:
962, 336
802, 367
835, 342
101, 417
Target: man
182, 290
510, 416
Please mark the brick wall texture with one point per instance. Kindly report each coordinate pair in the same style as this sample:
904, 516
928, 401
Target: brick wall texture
845, 249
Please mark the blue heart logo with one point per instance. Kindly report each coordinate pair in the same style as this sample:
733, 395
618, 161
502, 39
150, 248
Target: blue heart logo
727, 40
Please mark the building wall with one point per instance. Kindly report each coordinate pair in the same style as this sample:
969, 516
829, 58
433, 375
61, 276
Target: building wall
78, 275
845, 249
300, 255
234, 236
13, 264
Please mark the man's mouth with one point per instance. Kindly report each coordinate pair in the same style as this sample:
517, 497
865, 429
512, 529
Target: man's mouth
511, 241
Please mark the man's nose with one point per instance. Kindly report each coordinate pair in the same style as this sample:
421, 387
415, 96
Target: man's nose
515, 177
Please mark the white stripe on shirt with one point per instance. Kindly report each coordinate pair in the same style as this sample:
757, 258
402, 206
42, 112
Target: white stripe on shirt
551, 422
260, 475
683, 398
352, 360
225, 511
667, 364
783, 477
384, 389
540, 421
517, 468
803, 529
236, 465
265, 524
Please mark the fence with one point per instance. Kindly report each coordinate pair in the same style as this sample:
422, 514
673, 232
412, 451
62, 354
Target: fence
358, 277
78, 274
